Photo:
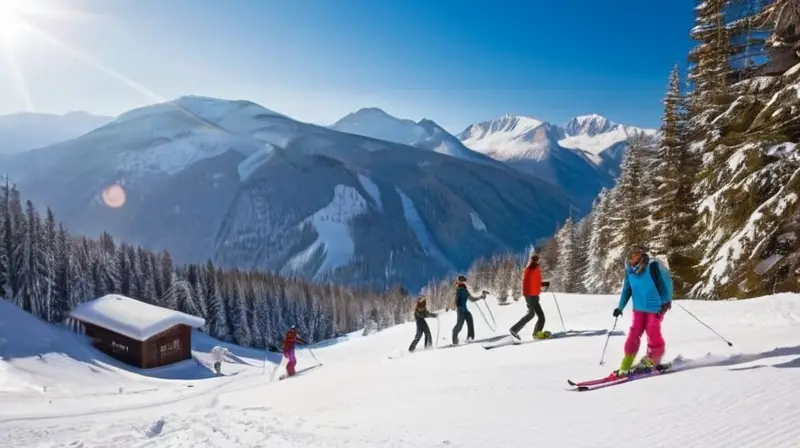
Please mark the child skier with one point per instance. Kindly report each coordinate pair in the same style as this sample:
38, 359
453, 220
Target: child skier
531, 288
292, 338
462, 296
218, 356
420, 313
649, 282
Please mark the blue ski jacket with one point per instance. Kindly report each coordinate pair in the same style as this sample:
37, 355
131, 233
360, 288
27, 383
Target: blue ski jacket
647, 296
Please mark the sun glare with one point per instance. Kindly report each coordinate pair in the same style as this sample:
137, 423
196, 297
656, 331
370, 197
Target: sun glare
11, 24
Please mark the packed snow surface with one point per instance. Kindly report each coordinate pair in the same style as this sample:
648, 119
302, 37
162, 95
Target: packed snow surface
513, 396
132, 318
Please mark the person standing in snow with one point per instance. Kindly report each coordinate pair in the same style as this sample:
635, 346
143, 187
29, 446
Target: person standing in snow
531, 289
420, 313
650, 285
289, 343
462, 296
218, 356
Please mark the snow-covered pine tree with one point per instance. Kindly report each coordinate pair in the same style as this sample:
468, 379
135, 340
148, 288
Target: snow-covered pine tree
124, 269
595, 277
61, 281
5, 233
239, 315
580, 252
147, 275
14, 232
674, 202
217, 321
179, 296
709, 58
629, 217
567, 275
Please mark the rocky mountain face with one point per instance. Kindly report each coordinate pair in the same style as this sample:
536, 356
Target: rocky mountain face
252, 188
582, 157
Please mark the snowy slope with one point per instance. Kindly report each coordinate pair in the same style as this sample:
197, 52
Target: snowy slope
23, 131
744, 396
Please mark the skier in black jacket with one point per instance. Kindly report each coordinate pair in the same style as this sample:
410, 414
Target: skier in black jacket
420, 313
462, 296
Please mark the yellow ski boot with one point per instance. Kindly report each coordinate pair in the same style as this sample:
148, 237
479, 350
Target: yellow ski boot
542, 335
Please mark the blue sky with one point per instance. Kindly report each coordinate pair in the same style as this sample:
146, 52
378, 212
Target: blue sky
456, 62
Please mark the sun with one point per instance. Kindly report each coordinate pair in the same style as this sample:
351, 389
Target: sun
11, 23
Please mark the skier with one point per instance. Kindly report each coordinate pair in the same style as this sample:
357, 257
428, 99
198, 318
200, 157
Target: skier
649, 282
420, 313
531, 288
462, 296
292, 338
218, 356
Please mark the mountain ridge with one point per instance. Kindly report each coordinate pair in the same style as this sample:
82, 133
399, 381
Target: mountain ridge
252, 188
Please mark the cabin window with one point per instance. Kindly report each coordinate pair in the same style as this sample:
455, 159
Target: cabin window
116, 347
175, 344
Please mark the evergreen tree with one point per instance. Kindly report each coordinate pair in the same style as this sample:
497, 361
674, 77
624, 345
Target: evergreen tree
600, 234
61, 280
629, 206
709, 58
674, 203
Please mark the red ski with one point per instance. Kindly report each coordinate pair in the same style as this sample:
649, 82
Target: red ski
612, 379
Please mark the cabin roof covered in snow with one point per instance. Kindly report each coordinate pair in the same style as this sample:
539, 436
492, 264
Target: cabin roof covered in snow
132, 318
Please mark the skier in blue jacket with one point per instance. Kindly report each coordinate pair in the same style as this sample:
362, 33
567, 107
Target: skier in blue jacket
650, 285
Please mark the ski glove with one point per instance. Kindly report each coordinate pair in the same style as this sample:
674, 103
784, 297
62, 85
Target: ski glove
546, 285
665, 307
617, 312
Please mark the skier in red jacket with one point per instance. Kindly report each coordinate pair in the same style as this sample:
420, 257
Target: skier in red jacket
292, 338
531, 289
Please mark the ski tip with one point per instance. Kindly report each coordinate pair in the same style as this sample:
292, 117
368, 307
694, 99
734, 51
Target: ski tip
572, 383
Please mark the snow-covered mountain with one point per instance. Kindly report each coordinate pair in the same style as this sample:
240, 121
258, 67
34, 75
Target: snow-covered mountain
250, 187
375, 123
57, 390
23, 131
582, 156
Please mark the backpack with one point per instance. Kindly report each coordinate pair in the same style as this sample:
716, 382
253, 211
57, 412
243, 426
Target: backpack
655, 273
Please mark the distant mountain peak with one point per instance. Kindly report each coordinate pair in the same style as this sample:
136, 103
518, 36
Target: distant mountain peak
589, 125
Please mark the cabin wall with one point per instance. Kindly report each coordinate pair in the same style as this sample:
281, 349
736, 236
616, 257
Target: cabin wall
115, 345
168, 347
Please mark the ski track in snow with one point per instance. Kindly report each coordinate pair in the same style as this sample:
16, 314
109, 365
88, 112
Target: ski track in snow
718, 396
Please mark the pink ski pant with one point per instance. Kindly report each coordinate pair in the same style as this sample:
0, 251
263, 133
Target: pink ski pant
649, 323
289, 354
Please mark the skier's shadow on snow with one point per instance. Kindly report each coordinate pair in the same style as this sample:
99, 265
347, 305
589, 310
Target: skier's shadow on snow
744, 358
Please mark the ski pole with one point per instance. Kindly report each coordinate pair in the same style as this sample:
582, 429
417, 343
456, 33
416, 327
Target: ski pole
313, 356
494, 322
484, 318
607, 339
730, 344
272, 377
438, 325
559, 311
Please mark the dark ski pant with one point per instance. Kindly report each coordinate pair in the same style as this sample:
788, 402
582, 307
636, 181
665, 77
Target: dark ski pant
534, 309
422, 328
463, 316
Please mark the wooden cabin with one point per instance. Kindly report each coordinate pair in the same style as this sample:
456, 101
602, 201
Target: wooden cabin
136, 333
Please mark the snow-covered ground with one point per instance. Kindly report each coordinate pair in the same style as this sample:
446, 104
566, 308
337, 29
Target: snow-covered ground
514, 396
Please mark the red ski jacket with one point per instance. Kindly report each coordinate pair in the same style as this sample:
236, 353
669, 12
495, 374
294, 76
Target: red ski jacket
291, 339
532, 281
